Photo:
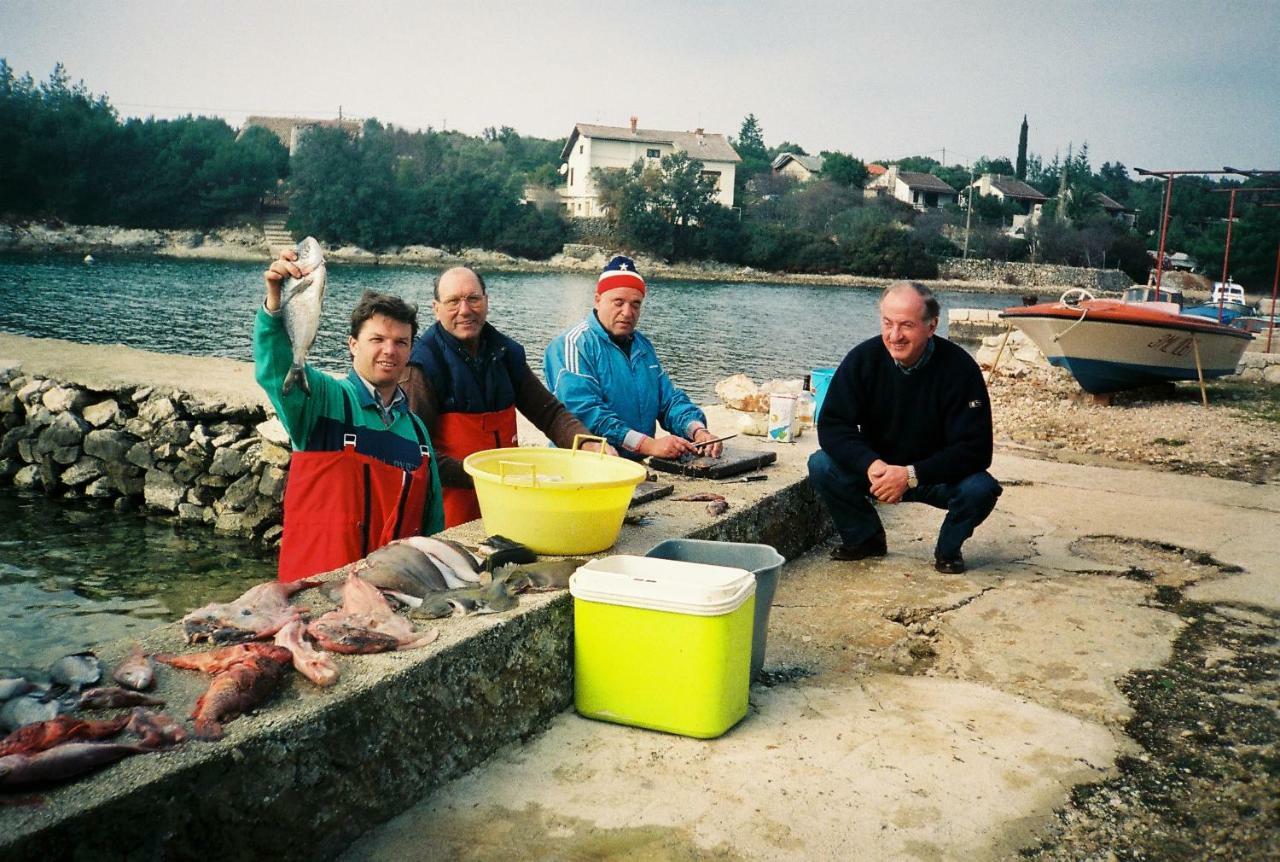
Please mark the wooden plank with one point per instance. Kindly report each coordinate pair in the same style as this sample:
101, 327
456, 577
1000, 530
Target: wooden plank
647, 492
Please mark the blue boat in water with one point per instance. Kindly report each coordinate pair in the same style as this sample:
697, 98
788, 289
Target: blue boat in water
1226, 303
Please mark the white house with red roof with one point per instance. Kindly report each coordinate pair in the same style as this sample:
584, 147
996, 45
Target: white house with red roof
619, 147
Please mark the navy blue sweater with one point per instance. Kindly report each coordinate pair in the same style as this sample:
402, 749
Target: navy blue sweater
937, 418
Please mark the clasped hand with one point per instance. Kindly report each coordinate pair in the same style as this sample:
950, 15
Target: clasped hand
888, 481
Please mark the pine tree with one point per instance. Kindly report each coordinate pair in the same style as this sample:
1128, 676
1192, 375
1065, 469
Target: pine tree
1021, 170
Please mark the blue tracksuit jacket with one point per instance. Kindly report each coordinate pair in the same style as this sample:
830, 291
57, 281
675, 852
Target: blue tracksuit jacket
617, 396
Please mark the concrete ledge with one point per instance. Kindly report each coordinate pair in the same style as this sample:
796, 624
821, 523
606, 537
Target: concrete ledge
313, 769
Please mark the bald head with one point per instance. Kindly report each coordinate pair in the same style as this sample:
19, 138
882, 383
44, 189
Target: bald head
457, 275
905, 290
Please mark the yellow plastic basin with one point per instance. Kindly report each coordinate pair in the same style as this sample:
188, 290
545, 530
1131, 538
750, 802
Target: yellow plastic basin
554, 501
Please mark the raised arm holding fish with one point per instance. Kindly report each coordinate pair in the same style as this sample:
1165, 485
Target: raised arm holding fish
363, 470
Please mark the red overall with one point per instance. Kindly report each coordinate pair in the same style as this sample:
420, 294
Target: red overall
461, 434
341, 505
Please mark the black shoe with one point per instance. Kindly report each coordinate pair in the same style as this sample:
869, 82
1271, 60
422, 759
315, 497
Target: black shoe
949, 565
872, 547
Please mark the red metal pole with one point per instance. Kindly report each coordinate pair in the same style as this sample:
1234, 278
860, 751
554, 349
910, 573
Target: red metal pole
1164, 228
1271, 323
1226, 252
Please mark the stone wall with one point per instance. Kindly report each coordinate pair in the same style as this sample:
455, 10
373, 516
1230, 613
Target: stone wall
1033, 275
166, 450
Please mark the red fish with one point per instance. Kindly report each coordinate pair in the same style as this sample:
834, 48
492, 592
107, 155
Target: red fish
259, 613
307, 660
46, 734
136, 671
61, 762
704, 497
366, 623
109, 696
245, 675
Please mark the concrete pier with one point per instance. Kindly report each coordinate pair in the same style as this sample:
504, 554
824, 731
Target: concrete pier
315, 768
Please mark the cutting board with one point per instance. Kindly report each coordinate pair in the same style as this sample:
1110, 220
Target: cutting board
730, 463
647, 492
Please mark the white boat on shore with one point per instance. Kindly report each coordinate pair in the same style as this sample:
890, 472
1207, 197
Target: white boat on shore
1110, 345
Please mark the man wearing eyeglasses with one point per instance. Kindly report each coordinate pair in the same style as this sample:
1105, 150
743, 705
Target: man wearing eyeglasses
466, 380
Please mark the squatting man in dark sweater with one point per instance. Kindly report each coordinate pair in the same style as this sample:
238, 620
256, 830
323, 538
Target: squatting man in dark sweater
906, 418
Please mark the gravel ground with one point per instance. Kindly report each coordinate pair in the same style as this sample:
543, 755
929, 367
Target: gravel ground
1205, 782
1043, 413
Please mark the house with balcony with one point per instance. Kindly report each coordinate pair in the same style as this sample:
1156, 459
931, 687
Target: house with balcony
619, 147
922, 191
1008, 189
797, 167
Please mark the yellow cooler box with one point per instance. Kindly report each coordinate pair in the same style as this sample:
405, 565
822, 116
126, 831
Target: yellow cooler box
662, 644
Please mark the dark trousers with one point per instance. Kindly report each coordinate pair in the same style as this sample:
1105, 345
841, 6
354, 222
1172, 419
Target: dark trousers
846, 495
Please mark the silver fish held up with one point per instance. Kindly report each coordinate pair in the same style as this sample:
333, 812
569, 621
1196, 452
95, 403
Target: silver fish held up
301, 301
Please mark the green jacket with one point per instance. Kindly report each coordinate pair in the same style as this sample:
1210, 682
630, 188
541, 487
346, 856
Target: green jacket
316, 422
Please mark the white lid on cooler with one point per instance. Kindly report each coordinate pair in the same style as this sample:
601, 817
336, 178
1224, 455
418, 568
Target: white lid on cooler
663, 585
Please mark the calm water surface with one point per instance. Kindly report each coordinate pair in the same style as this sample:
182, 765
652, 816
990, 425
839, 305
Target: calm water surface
703, 331
71, 577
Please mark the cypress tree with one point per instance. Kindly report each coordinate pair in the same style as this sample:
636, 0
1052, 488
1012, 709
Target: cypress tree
1022, 150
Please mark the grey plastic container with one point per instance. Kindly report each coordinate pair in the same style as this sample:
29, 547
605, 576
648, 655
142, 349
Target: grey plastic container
761, 560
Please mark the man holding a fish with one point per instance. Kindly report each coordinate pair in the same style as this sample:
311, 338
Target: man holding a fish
608, 374
363, 471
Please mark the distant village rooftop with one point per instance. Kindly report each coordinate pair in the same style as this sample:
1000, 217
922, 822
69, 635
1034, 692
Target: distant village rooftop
924, 182
1014, 188
813, 164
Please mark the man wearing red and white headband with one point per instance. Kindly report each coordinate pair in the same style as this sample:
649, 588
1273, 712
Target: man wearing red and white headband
609, 376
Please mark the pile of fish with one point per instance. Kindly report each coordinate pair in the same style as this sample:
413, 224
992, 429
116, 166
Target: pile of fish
254, 638
438, 578
46, 747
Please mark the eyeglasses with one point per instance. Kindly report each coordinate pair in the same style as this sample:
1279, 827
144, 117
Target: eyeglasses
475, 300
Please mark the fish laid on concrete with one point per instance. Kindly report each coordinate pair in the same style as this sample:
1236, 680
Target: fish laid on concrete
717, 507
495, 597
46, 734
155, 729
315, 665
259, 613
76, 671
136, 671
366, 624
403, 568
456, 564
544, 574
62, 762
26, 709
301, 302
14, 686
112, 696
704, 497
245, 675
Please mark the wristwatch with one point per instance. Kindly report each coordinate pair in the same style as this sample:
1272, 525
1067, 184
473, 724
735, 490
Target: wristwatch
912, 481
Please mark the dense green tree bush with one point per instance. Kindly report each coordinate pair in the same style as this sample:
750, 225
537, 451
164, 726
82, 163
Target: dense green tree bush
64, 154
889, 251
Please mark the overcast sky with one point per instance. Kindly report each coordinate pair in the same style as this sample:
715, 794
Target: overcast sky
1150, 84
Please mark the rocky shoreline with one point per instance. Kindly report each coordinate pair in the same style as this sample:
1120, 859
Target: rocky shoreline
249, 244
